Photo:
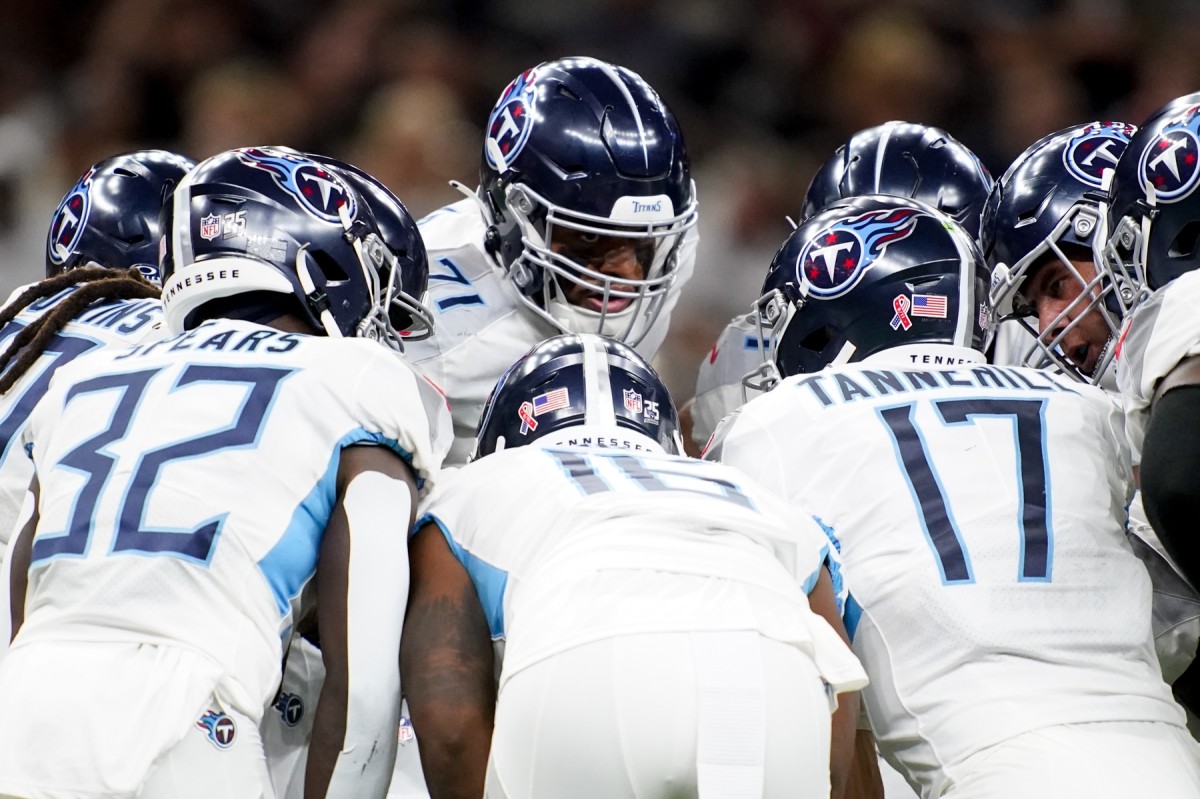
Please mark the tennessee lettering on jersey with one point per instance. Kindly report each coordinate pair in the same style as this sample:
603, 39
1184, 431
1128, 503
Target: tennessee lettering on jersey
605, 442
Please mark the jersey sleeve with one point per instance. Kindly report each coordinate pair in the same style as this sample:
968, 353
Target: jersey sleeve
719, 389
1161, 332
409, 410
442, 505
743, 441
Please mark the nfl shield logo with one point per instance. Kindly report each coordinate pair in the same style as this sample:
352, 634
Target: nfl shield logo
210, 227
633, 401
405, 734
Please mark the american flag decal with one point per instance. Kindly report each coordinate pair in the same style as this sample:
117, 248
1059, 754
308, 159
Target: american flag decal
551, 401
930, 305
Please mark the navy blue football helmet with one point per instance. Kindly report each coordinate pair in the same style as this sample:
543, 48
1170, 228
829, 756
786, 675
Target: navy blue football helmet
579, 389
904, 159
1153, 210
1048, 207
249, 225
579, 147
869, 274
110, 217
408, 261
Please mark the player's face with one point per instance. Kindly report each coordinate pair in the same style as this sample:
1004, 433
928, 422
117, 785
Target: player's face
616, 257
1063, 302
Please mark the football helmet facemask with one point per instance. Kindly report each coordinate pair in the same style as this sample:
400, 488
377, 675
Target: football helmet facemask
257, 222
586, 189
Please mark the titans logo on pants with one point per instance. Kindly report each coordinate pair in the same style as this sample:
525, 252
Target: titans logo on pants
219, 728
291, 708
836, 259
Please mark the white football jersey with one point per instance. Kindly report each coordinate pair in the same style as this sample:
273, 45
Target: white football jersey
1160, 333
481, 326
1014, 345
719, 388
118, 323
186, 484
534, 527
980, 511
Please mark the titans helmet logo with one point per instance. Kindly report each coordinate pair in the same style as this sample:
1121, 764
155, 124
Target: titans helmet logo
835, 259
1096, 148
70, 220
319, 192
1170, 163
510, 123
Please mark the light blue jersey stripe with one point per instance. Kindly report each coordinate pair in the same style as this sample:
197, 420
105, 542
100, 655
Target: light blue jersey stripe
292, 562
490, 582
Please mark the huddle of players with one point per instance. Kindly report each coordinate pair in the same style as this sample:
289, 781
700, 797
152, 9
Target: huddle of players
662, 625
1091, 236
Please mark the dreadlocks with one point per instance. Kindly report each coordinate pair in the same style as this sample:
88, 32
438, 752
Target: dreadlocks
94, 283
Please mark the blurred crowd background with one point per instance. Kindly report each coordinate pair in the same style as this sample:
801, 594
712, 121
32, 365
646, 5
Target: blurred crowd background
764, 89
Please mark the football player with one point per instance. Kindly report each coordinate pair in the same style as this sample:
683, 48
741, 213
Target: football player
1153, 216
1042, 228
1005, 624
105, 225
189, 490
902, 159
583, 221
667, 626
287, 725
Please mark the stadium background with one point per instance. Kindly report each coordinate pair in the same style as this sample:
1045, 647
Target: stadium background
764, 89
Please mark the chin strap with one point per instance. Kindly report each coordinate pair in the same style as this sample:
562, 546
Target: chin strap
318, 301
484, 211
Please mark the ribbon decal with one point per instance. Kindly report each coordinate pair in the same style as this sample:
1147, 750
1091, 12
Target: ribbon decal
527, 421
901, 306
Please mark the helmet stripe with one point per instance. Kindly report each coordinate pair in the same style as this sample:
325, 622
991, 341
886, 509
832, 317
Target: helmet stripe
964, 325
181, 236
616, 78
885, 136
598, 382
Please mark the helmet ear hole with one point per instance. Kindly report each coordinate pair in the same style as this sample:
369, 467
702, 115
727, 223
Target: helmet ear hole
330, 268
818, 340
1184, 244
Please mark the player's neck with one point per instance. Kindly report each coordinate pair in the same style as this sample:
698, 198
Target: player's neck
291, 323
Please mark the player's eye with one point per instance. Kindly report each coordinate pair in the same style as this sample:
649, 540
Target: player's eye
1057, 289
